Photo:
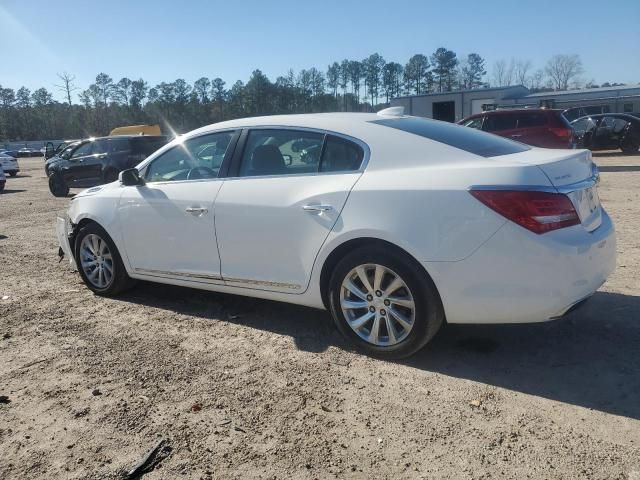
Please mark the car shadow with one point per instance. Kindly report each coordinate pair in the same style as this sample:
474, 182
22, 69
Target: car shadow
9, 190
591, 358
619, 168
609, 153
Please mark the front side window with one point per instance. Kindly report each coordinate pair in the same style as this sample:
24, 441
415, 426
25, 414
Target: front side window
101, 146
194, 159
281, 152
82, 151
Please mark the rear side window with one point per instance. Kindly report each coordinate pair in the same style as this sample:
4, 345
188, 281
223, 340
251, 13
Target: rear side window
467, 139
340, 155
530, 120
496, 123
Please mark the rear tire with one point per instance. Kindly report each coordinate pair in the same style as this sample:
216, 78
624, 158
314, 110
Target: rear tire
57, 186
394, 312
630, 149
99, 262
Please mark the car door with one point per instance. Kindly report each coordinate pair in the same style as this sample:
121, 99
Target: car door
284, 195
167, 224
603, 138
74, 169
93, 165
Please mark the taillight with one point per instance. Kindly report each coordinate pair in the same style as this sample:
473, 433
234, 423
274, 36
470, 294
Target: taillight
562, 132
539, 212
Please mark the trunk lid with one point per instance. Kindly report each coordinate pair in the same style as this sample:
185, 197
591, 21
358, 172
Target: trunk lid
573, 173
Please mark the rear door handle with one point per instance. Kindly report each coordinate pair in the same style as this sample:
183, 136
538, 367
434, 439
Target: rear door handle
317, 208
197, 211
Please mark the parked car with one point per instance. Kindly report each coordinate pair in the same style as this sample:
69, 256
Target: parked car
3, 179
28, 152
11, 153
400, 223
538, 127
97, 160
9, 164
610, 131
51, 151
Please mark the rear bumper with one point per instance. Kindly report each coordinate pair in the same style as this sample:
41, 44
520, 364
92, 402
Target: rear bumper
520, 277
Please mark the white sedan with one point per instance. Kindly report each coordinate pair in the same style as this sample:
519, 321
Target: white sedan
9, 164
393, 223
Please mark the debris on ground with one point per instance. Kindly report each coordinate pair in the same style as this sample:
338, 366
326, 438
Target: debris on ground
4, 399
150, 461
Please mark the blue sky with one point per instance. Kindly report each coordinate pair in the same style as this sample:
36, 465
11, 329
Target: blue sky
161, 40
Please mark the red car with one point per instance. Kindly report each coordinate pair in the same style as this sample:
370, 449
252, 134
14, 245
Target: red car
539, 127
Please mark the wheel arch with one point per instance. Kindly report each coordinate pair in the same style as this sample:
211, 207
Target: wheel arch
341, 250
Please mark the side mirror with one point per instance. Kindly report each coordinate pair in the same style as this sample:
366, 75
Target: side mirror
49, 150
130, 177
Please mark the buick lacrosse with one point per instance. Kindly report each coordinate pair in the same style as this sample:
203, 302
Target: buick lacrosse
393, 223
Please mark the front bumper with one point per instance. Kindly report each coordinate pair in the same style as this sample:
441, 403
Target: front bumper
519, 277
63, 231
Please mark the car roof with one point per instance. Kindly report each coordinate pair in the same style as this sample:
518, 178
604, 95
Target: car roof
385, 145
624, 116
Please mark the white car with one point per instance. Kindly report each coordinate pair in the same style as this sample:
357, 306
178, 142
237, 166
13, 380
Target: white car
9, 164
393, 223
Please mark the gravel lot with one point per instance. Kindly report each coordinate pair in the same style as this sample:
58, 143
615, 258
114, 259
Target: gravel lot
243, 388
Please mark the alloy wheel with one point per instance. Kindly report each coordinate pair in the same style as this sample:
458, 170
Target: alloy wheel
377, 304
96, 261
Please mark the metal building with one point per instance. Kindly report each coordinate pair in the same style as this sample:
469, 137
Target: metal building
454, 106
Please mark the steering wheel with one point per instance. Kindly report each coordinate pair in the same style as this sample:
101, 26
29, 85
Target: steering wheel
201, 172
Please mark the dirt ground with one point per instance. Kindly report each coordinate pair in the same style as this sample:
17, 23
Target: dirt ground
243, 388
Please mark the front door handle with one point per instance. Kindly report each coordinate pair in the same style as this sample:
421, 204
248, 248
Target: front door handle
317, 208
197, 211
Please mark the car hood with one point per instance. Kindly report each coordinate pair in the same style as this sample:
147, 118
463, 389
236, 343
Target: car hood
100, 189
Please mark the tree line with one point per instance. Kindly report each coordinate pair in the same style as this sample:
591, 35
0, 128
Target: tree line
349, 85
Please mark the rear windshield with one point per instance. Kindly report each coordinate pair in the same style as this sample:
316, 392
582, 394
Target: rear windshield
464, 138
147, 145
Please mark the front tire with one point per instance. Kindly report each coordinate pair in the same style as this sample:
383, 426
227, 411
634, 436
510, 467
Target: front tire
57, 186
384, 303
99, 261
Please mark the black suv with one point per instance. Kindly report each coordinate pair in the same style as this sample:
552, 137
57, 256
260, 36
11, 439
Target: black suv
98, 160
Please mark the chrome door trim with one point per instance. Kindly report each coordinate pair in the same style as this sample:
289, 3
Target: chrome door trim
216, 279
147, 271
263, 283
